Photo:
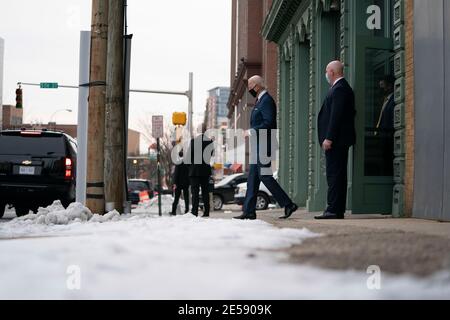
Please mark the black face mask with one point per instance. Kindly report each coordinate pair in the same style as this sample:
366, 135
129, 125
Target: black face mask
253, 93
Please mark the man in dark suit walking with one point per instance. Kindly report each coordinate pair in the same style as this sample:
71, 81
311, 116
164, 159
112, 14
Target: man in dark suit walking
336, 128
181, 184
200, 152
262, 122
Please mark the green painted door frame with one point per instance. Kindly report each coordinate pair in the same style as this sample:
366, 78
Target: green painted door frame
302, 89
325, 51
283, 166
371, 194
301, 116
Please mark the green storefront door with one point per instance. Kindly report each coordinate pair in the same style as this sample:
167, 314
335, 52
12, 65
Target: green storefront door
373, 153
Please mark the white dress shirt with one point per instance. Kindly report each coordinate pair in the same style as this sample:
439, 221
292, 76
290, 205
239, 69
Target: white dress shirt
260, 95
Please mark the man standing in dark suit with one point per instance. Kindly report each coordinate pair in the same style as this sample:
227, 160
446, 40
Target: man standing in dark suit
385, 126
385, 122
200, 152
181, 183
336, 128
262, 122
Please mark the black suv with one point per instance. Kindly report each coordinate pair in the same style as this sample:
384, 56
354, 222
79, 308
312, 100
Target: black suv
36, 168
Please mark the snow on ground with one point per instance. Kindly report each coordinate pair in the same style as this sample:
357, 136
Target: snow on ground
143, 256
166, 205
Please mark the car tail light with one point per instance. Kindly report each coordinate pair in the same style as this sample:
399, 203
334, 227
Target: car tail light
69, 172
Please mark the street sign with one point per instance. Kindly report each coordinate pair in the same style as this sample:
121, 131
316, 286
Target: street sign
157, 126
49, 85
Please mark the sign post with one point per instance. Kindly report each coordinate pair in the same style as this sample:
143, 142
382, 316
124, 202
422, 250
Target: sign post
158, 132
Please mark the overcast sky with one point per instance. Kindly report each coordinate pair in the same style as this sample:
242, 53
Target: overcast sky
171, 38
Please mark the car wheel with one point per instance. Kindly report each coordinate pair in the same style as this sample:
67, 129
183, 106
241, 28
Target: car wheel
218, 202
262, 201
22, 211
2, 209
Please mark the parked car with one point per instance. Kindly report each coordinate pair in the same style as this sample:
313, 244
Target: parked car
135, 186
264, 197
225, 189
36, 168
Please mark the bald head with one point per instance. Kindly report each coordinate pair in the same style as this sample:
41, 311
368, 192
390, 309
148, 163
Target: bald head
335, 70
256, 80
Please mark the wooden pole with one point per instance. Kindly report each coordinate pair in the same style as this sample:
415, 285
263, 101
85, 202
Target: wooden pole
115, 109
96, 115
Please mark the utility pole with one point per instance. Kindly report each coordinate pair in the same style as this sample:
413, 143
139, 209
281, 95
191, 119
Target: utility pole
115, 109
95, 198
190, 106
83, 109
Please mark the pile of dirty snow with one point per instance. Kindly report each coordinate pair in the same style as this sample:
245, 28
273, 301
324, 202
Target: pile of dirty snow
56, 214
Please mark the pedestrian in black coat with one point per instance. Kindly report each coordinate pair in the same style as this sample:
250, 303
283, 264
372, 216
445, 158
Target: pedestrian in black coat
181, 184
199, 155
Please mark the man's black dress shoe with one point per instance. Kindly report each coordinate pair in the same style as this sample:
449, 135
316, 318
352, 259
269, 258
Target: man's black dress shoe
329, 216
246, 216
288, 211
205, 216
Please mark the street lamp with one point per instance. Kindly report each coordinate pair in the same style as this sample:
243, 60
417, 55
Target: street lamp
67, 110
135, 162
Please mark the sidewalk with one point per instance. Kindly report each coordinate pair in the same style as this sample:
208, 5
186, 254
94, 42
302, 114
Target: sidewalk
397, 246
144, 256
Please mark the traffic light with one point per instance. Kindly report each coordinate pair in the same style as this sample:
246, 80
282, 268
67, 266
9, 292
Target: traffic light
179, 118
19, 104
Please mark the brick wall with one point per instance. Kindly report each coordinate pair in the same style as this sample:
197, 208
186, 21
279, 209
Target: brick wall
270, 58
409, 106
12, 117
270, 67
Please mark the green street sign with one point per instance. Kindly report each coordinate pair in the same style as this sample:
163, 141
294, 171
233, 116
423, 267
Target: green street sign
49, 85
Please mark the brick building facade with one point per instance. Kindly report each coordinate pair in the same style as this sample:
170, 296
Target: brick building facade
251, 55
